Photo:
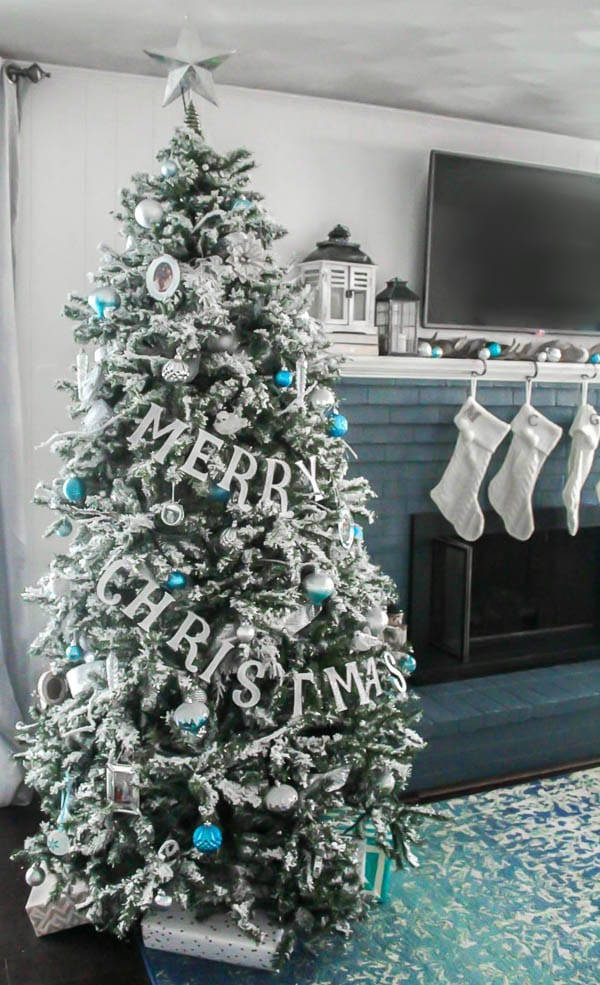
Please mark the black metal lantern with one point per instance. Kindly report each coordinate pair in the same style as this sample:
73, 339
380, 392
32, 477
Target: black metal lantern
396, 318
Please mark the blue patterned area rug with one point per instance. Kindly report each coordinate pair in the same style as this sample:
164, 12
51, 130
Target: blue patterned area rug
508, 893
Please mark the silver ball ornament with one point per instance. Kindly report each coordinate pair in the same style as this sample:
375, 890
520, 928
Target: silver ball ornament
168, 169
281, 799
162, 900
148, 212
542, 357
554, 354
35, 876
376, 619
321, 399
245, 633
424, 350
484, 353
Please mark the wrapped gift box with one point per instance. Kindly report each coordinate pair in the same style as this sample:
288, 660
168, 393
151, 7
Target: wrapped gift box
374, 866
49, 916
216, 938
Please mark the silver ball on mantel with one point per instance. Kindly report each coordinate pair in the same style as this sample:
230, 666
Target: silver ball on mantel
245, 633
484, 354
542, 357
148, 213
321, 398
162, 900
554, 354
35, 876
376, 619
282, 799
424, 350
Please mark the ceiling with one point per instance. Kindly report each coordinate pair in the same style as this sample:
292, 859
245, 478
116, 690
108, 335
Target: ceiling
528, 63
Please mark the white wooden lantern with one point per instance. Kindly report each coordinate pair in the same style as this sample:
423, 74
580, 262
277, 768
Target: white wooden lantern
343, 281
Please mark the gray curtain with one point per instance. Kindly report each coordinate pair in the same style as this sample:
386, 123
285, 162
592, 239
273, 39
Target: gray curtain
14, 671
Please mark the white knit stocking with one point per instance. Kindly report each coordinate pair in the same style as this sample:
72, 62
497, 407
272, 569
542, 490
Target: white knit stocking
511, 490
456, 495
585, 435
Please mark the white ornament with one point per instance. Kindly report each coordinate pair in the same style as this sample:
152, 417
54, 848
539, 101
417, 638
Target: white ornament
376, 619
542, 356
148, 212
281, 799
245, 633
226, 423
35, 876
57, 841
554, 354
484, 353
424, 350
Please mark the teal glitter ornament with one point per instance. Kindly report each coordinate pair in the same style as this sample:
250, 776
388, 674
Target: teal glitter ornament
176, 579
495, 349
64, 528
207, 838
74, 652
103, 300
408, 664
338, 425
168, 169
74, 489
284, 378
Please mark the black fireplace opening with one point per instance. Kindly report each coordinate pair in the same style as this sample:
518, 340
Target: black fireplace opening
501, 604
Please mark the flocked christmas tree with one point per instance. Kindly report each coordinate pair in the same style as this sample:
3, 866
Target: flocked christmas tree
223, 710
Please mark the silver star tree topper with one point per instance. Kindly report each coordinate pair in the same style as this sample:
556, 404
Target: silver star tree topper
190, 66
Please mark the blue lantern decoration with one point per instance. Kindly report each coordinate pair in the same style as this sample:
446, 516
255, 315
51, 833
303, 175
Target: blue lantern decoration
219, 494
408, 664
64, 528
338, 425
74, 489
74, 652
168, 169
595, 357
495, 349
104, 299
176, 579
207, 838
284, 378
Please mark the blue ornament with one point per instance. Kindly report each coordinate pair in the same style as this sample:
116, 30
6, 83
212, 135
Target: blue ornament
104, 299
437, 352
74, 489
64, 528
408, 664
241, 203
207, 838
176, 579
595, 357
284, 378
495, 349
74, 652
338, 425
219, 494
168, 169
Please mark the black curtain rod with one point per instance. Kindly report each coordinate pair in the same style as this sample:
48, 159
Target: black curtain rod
35, 73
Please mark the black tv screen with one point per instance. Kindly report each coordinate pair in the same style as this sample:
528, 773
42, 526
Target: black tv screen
511, 246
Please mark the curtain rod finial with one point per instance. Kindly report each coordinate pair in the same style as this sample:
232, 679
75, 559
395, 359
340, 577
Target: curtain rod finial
35, 73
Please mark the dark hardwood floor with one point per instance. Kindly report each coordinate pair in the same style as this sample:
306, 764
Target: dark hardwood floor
75, 957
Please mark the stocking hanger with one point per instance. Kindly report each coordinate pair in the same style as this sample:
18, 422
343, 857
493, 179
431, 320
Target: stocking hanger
475, 377
528, 388
585, 382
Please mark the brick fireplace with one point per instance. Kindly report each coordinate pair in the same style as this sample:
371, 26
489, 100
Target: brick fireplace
502, 715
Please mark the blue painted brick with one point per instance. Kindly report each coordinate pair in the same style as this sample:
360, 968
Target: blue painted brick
389, 395
414, 414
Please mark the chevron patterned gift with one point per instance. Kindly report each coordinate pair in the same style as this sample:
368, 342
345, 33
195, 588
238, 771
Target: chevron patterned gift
49, 916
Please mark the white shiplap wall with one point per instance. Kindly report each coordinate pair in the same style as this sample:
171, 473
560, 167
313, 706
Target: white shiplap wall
320, 162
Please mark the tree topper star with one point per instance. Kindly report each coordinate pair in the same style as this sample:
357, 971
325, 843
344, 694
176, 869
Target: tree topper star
190, 65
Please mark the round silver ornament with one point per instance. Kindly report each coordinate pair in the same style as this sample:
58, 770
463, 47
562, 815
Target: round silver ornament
346, 528
554, 354
172, 513
230, 538
542, 357
168, 169
35, 876
162, 900
191, 716
321, 399
484, 354
148, 212
245, 633
424, 350
180, 370
376, 619
58, 842
281, 799
386, 781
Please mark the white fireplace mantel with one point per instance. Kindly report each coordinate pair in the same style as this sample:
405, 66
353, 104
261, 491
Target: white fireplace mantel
501, 370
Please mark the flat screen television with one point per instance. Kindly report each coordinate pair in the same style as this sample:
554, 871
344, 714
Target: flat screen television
511, 247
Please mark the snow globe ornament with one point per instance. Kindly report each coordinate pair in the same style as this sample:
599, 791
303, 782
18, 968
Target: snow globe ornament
192, 715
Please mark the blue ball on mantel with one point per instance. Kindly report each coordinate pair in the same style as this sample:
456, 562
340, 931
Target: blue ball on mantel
437, 352
207, 838
495, 349
338, 425
595, 358
74, 652
74, 489
284, 378
176, 579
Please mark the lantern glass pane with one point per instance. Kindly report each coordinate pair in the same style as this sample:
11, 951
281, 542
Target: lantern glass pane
337, 303
381, 314
360, 305
396, 314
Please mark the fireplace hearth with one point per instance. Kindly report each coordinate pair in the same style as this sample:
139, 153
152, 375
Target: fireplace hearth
499, 604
